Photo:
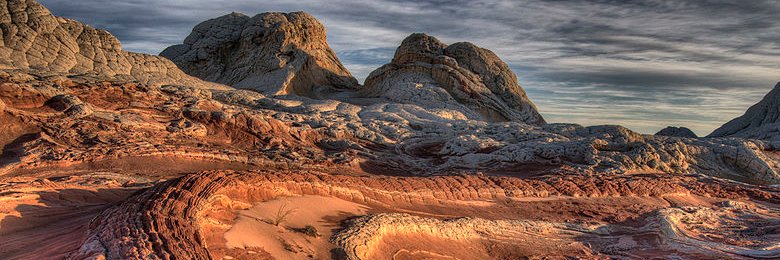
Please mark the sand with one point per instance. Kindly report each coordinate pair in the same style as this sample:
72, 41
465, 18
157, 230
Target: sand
252, 229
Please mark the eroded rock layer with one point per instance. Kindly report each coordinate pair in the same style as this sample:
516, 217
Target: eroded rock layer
55, 120
167, 208
58, 126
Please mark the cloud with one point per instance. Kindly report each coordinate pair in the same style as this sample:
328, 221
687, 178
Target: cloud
640, 63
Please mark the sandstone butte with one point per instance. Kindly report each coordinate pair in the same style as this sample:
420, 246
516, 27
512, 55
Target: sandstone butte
250, 140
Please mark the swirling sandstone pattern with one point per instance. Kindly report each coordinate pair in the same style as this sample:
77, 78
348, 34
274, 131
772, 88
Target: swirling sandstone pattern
162, 222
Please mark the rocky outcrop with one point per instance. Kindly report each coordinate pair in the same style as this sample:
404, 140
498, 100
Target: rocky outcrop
365, 236
34, 39
71, 105
704, 228
677, 132
273, 53
100, 120
461, 77
760, 121
699, 232
102, 117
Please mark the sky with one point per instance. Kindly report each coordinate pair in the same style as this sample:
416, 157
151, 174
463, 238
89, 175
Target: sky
641, 64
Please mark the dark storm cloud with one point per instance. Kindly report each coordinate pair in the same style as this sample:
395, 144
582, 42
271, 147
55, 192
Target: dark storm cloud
644, 64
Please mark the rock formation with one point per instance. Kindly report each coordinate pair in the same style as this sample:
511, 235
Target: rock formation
214, 198
677, 132
102, 165
32, 38
461, 77
273, 53
760, 121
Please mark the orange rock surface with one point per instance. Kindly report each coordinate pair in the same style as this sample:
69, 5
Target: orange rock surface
108, 154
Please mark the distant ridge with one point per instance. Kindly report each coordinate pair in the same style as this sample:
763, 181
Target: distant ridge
677, 132
760, 121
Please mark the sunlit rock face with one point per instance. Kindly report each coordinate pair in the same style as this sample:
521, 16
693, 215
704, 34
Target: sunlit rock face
272, 53
760, 121
461, 76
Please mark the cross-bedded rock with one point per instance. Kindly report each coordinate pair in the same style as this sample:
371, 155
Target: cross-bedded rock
172, 213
